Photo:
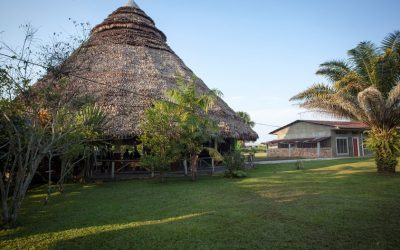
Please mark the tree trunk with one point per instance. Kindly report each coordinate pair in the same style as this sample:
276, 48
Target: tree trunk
4, 205
385, 147
13, 206
193, 166
85, 171
385, 164
64, 166
49, 184
19, 198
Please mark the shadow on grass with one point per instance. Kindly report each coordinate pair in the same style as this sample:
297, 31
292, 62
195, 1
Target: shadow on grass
337, 203
283, 182
96, 205
44, 240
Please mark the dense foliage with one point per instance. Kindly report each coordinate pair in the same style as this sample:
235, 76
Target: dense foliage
40, 121
245, 118
234, 164
161, 132
179, 127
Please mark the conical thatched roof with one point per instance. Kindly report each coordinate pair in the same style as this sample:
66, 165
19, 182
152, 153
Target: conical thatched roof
127, 64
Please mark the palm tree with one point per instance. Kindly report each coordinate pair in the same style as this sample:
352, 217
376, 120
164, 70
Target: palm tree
196, 128
246, 119
365, 88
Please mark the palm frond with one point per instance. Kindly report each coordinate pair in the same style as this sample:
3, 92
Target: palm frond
393, 106
349, 106
334, 105
214, 154
393, 100
363, 58
351, 83
245, 118
334, 70
315, 91
373, 104
392, 41
387, 71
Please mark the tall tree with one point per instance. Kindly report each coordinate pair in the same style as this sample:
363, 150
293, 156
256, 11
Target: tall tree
364, 88
179, 127
160, 134
34, 120
196, 127
246, 119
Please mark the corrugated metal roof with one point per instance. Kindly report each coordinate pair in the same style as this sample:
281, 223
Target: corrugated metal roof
333, 124
340, 124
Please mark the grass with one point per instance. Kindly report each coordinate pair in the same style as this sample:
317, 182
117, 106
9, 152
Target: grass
337, 204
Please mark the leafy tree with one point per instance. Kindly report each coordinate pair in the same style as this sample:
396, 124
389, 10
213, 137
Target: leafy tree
245, 118
34, 121
196, 128
160, 135
81, 143
234, 163
365, 88
179, 127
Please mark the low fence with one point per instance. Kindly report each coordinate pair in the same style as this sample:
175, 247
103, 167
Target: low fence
131, 169
309, 153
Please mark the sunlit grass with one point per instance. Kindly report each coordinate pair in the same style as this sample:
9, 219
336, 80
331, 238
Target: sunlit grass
328, 204
45, 240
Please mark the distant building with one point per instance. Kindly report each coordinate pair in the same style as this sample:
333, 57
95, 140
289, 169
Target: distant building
319, 139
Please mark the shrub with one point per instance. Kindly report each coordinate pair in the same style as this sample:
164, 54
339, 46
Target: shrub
386, 147
234, 164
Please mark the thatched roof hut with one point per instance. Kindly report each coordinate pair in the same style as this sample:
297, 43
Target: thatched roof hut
126, 65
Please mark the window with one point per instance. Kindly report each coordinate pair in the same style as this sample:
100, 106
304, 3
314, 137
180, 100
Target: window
326, 143
283, 145
342, 146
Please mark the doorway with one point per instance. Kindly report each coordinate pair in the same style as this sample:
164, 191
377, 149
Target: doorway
356, 147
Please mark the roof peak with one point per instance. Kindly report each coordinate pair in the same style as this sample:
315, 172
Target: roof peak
131, 3
334, 124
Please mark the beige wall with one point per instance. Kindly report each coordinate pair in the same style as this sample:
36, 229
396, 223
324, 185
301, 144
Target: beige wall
307, 153
304, 130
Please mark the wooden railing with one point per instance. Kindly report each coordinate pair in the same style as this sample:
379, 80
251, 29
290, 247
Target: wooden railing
113, 167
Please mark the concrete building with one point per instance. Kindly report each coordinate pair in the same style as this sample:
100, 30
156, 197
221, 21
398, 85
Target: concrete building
318, 139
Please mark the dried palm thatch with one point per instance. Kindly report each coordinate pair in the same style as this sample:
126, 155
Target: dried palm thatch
126, 65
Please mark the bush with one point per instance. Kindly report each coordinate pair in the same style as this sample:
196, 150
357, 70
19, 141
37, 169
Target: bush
386, 147
234, 164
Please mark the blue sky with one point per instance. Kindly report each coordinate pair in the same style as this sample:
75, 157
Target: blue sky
259, 53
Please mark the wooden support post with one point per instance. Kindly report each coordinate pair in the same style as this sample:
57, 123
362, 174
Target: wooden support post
319, 150
113, 170
290, 149
212, 160
185, 167
362, 145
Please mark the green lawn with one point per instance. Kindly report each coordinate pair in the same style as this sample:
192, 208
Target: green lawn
338, 204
